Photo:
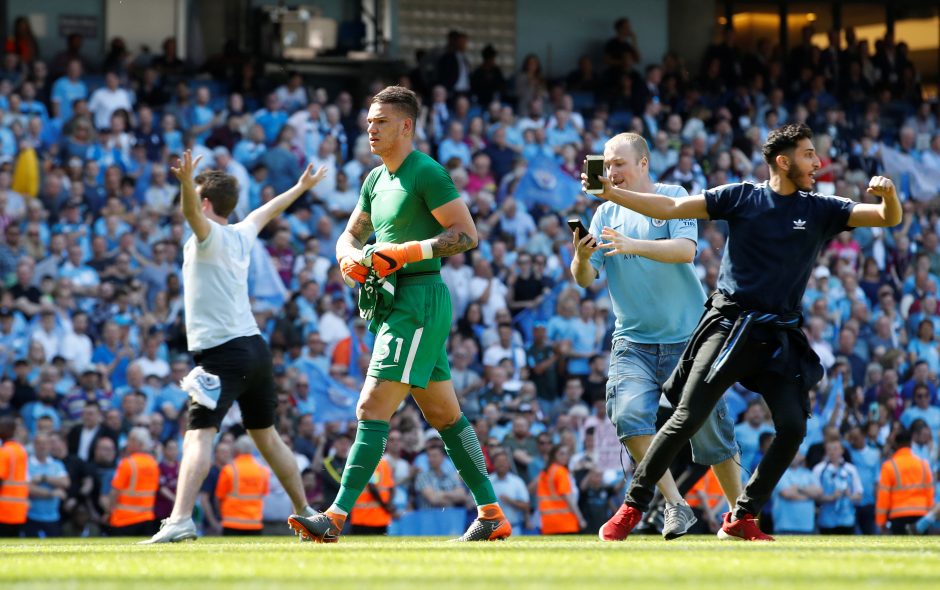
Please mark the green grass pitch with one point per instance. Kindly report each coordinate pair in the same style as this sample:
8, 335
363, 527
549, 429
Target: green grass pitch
275, 563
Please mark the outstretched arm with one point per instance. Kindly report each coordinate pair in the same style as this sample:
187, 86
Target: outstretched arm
673, 250
189, 200
887, 213
263, 215
650, 204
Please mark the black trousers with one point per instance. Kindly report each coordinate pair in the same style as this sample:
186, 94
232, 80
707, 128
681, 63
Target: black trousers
358, 529
10, 531
898, 526
35, 528
865, 518
698, 399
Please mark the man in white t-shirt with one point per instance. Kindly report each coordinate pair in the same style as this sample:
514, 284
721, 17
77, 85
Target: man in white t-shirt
505, 349
150, 363
108, 99
488, 291
234, 359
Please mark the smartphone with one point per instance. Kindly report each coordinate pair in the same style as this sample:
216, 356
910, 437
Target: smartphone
576, 225
594, 167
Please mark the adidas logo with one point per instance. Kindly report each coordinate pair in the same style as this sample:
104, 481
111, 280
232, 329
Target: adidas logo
799, 224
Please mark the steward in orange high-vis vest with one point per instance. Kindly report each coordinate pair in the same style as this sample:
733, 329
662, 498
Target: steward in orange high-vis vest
373, 511
134, 488
14, 481
905, 489
709, 511
241, 489
557, 509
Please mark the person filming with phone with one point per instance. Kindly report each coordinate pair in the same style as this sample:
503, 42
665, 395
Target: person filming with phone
657, 300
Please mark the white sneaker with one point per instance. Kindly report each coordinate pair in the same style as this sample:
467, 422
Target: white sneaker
173, 532
679, 519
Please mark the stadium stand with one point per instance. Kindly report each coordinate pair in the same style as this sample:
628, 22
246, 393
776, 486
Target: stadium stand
92, 340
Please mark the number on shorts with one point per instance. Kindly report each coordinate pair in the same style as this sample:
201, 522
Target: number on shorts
383, 347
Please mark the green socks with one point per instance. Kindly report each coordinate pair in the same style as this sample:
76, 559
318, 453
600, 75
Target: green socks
364, 457
463, 447
460, 442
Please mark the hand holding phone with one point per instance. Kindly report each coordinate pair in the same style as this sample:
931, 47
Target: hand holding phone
584, 243
593, 168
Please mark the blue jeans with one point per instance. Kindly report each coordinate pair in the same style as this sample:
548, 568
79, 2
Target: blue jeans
634, 387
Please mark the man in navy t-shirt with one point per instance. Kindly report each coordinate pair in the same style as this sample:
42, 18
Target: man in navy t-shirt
750, 331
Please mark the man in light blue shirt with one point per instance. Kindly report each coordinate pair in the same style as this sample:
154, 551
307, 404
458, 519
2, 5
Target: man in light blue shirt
922, 410
453, 146
841, 490
511, 491
794, 500
48, 482
68, 89
657, 300
578, 331
867, 461
748, 432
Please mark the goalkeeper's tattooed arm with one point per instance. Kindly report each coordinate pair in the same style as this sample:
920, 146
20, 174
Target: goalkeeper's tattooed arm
460, 233
452, 240
355, 236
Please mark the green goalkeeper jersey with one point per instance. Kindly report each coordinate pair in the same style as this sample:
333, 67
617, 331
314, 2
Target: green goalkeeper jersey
400, 203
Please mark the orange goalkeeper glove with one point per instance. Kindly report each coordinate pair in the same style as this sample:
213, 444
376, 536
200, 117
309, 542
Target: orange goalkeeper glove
353, 271
389, 258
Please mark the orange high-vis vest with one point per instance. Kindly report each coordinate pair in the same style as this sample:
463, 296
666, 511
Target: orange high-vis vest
137, 480
712, 489
905, 487
14, 483
368, 510
242, 486
557, 518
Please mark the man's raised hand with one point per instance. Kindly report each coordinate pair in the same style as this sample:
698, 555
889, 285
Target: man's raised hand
309, 179
185, 168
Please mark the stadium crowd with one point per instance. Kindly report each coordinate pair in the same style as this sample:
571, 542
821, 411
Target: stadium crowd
92, 340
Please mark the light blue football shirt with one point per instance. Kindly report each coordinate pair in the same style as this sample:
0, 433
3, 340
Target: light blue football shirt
654, 302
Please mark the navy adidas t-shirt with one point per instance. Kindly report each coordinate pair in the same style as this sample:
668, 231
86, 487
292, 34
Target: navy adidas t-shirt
773, 242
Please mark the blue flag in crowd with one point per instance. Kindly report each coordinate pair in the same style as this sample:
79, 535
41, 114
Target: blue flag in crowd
264, 284
332, 401
545, 182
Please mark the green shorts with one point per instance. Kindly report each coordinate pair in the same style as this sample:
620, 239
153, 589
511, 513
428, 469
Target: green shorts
410, 345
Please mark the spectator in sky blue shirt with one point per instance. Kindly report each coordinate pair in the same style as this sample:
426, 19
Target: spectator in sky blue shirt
867, 461
453, 146
562, 132
271, 118
841, 490
922, 410
748, 432
69, 88
794, 500
48, 484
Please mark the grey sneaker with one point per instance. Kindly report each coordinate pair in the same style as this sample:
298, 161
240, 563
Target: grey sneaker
679, 519
173, 532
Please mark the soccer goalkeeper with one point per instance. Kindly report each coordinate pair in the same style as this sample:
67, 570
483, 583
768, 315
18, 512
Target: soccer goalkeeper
418, 217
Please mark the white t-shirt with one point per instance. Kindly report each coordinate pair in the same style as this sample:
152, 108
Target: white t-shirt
157, 366
215, 285
105, 101
496, 300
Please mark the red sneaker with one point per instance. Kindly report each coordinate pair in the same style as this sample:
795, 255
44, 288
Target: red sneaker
743, 529
620, 524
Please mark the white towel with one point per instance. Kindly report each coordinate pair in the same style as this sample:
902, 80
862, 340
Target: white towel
203, 388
